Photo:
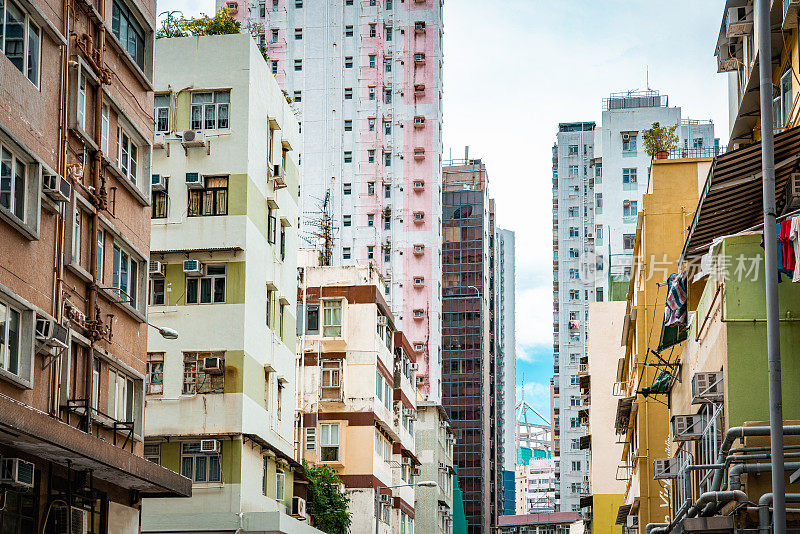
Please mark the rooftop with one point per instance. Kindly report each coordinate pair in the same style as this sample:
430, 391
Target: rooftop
635, 99
576, 126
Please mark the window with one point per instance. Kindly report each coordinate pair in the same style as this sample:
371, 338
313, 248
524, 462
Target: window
348, 126
572, 150
95, 383
161, 112
311, 438
348, 31
126, 276
629, 208
574, 294
628, 241
387, 127
629, 176
198, 374
371, 124
628, 143
598, 294
573, 274
298, 65
370, 252
387, 191
576, 466
348, 62
574, 232
329, 442
332, 318
387, 65
388, 34
157, 291
101, 236
347, 188
573, 253
371, 219
280, 484
76, 236
387, 159
348, 93
312, 319
210, 200
129, 32
598, 201
120, 396
371, 92
373, 30
298, 4
573, 211
154, 384
573, 170
211, 110
274, 68
372, 61
371, 156
387, 96
346, 253
370, 188
160, 202
348, 157
127, 156
208, 289
298, 33
298, 96
200, 466
331, 379
272, 225
598, 172
104, 130
10, 338
81, 104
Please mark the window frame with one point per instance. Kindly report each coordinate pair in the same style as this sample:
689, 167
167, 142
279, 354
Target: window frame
119, 8
203, 110
132, 294
194, 455
27, 59
326, 442
190, 376
196, 201
328, 321
213, 280
155, 368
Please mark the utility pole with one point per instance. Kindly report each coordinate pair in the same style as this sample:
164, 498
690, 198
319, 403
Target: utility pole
771, 266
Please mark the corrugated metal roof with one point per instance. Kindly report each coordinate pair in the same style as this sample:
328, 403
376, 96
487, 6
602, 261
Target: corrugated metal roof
731, 200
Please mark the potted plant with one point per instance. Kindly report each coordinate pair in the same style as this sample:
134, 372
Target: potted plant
659, 140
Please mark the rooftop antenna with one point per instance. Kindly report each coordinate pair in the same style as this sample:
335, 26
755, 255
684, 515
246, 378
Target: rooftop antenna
647, 76
322, 230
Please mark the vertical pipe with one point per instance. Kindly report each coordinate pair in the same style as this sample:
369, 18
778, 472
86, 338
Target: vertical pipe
771, 267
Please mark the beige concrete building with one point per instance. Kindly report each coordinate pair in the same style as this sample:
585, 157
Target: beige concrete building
604, 491
358, 394
435, 440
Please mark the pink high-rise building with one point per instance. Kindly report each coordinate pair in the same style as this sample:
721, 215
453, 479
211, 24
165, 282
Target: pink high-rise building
365, 77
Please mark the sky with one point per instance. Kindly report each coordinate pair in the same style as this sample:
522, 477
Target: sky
513, 72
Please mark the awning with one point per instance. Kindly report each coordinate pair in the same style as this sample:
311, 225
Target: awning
622, 514
39, 435
623, 414
731, 200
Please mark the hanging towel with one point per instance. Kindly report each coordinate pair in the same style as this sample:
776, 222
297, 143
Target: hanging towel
675, 308
779, 253
787, 248
794, 236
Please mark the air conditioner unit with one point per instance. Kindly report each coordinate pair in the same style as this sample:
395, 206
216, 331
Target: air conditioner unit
625, 137
156, 268
383, 320
193, 267
386, 499
665, 468
419, 26
419, 380
278, 176
195, 180
414, 366
419, 58
792, 193
419, 249
212, 365
17, 472
193, 138
158, 182
159, 140
419, 185
707, 387
210, 445
51, 333
298, 507
687, 427
79, 520
56, 187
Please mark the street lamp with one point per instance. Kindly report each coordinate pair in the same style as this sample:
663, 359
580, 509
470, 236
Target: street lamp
166, 333
423, 484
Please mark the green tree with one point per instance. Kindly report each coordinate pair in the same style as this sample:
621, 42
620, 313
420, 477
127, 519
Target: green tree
659, 138
222, 23
327, 503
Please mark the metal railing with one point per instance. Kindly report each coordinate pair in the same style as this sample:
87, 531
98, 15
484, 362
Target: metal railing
698, 152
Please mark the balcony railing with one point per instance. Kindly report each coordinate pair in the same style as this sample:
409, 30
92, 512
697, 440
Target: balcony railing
690, 153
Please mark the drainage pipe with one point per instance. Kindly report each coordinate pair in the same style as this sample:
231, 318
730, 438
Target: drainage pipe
650, 526
764, 505
715, 498
737, 470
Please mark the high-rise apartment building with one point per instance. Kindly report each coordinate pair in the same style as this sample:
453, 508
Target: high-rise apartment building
470, 378
599, 177
505, 345
366, 79
621, 175
358, 394
75, 137
221, 398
